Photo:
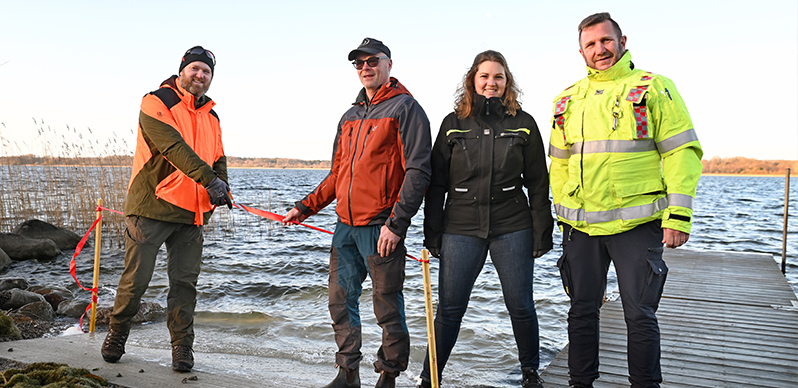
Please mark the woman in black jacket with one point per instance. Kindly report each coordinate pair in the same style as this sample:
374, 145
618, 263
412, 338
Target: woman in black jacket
485, 152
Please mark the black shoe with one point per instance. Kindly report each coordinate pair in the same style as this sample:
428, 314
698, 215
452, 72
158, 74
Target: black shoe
387, 380
347, 378
580, 385
182, 358
424, 384
531, 379
114, 345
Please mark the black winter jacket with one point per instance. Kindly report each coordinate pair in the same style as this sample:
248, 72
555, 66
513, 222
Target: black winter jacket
479, 166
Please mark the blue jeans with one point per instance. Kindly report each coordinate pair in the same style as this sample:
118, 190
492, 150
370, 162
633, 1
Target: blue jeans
462, 259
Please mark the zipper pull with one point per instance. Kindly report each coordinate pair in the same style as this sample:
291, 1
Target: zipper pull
487, 107
616, 112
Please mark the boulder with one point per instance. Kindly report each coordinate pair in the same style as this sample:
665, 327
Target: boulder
73, 308
16, 298
63, 238
5, 261
38, 311
148, 311
19, 247
9, 283
53, 295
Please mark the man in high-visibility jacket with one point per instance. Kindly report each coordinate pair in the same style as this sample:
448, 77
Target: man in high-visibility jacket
625, 165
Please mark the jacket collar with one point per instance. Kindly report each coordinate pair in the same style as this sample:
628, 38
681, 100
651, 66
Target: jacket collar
489, 106
185, 96
390, 89
620, 69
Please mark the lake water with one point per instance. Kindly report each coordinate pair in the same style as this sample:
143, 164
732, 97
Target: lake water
263, 289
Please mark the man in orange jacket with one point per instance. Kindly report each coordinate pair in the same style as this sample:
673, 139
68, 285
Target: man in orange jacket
380, 171
179, 176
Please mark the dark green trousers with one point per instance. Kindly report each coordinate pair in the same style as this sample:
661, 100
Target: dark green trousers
143, 239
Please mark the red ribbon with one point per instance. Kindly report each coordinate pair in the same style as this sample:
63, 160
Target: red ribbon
258, 212
73, 265
279, 218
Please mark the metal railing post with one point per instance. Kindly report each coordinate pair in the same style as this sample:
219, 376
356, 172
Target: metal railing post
784, 234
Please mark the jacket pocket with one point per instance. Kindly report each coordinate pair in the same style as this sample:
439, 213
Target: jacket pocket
464, 145
655, 278
635, 188
508, 140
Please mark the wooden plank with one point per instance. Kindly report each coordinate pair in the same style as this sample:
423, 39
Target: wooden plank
718, 323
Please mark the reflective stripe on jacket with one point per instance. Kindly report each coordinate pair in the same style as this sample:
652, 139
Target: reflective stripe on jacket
380, 167
624, 152
178, 152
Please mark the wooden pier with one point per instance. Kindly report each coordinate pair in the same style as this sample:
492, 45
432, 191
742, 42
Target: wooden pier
727, 320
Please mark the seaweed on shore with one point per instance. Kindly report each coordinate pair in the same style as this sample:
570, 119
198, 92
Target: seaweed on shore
51, 375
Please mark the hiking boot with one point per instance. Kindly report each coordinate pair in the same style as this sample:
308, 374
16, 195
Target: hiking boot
347, 378
182, 358
531, 379
387, 380
114, 345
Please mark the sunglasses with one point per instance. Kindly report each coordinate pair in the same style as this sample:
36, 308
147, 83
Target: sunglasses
373, 62
200, 51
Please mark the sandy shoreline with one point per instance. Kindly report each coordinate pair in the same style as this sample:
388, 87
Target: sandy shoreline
142, 366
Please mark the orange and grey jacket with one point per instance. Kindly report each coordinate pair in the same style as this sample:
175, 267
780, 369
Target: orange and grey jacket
178, 152
381, 162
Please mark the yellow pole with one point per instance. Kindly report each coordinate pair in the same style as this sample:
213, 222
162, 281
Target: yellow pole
97, 241
433, 354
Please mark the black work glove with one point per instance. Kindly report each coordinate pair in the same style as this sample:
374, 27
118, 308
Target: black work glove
218, 193
435, 252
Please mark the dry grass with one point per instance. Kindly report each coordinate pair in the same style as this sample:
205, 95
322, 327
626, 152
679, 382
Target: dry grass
66, 195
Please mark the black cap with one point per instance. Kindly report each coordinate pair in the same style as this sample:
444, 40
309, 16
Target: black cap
198, 53
370, 46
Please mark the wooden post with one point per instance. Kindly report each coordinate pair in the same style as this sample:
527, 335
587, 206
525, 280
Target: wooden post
784, 234
433, 353
97, 241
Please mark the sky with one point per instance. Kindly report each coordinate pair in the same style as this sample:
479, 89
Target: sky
72, 74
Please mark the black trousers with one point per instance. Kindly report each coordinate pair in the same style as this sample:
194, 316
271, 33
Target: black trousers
637, 255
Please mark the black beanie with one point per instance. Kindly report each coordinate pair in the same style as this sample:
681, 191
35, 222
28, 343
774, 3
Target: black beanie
198, 53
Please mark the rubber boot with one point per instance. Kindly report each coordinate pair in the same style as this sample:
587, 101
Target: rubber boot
347, 378
387, 380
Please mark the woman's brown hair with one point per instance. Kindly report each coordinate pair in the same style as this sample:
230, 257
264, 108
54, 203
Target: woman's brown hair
464, 100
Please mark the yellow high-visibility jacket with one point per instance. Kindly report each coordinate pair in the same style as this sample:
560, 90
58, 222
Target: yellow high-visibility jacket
623, 152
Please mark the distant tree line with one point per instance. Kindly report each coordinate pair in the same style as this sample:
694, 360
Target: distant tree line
741, 165
127, 160
235, 161
716, 165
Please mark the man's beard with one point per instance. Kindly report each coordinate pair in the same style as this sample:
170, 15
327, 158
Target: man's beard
197, 90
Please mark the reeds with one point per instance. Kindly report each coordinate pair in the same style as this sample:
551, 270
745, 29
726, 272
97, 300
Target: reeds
62, 187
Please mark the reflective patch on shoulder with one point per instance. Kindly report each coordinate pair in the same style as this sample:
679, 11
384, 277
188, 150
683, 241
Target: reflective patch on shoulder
559, 108
636, 93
